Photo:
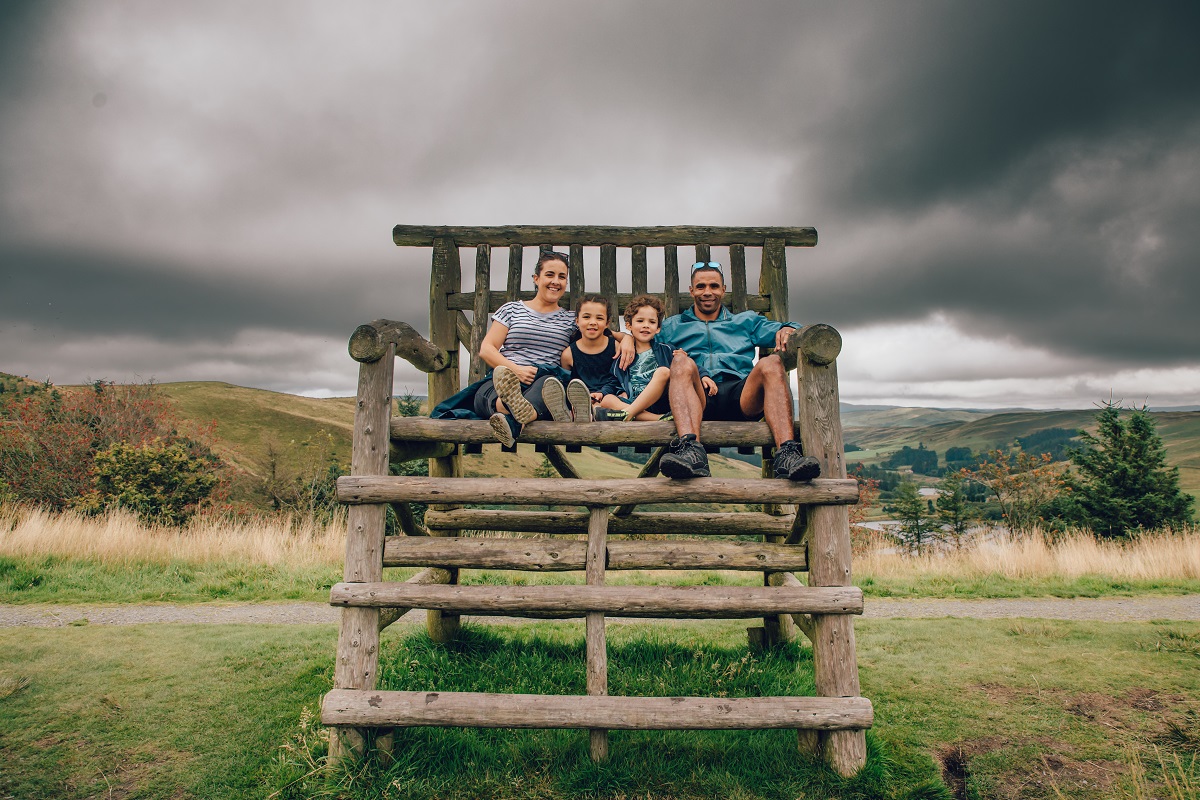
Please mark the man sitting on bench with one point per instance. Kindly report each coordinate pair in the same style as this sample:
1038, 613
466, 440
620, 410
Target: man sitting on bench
735, 388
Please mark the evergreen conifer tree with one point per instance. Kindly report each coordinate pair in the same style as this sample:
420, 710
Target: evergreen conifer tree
1122, 482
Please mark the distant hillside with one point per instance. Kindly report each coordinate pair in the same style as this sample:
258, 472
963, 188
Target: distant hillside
902, 417
1180, 431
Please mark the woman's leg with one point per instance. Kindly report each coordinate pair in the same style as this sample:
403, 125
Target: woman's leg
485, 400
533, 393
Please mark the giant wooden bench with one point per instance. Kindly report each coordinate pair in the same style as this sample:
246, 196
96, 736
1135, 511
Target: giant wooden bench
804, 526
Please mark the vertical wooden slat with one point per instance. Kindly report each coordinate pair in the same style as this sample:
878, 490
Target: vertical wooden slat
671, 279
597, 647
576, 274
773, 279
639, 268
703, 252
608, 281
446, 277
357, 664
483, 294
516, 255
835, 663
737, 277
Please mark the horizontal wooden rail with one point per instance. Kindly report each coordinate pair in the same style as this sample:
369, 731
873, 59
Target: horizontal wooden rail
556, 555
647, 522
687, 602
539, 491
465, 301
367, 708
594, 235
474, 431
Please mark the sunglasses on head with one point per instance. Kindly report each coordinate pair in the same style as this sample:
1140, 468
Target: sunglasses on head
552, 255
713, 265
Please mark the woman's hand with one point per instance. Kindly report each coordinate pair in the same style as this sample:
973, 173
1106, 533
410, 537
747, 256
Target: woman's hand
524, 373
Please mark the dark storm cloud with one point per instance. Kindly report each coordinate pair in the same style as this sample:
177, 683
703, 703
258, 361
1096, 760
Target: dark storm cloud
1025, 170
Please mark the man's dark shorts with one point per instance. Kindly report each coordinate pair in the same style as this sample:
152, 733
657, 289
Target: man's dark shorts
726, 404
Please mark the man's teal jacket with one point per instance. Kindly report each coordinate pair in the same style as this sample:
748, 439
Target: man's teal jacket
725, 347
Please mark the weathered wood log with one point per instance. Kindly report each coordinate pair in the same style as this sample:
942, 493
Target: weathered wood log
802, 621
357, 661
703, 253
484, 710
558, 459
820, 344
638, 268
835, 663
649, 522
462, 326
516, 255
539, 491
408, 520
465, 301
596, 644
432, 575
370, 342
671, 280
592, 235
692, 602
655, 434
411, 451
608, 283
737, 275
558, 555
575, 268
483, 290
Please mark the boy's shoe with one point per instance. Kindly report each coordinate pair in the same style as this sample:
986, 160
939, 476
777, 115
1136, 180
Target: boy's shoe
792, 464
686, 459
508, 386
506, 429
610, 415
580, 399
555, 398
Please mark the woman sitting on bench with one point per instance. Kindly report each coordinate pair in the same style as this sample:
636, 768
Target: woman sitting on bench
524, 345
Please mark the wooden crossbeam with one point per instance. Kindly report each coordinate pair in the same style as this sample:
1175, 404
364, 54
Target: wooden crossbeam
655, 434
685, 602
593, 235
645, 522
539, 491
557, 555
489, 710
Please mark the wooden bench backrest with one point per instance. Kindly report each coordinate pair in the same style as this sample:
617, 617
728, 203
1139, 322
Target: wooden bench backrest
450, 327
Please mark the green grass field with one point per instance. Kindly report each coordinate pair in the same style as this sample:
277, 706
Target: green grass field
963, 708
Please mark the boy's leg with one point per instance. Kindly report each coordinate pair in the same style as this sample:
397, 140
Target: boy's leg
654, 390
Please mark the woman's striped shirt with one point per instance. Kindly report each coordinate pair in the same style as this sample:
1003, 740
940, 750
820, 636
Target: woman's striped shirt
534, 338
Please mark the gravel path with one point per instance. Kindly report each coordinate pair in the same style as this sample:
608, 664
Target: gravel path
1105, 609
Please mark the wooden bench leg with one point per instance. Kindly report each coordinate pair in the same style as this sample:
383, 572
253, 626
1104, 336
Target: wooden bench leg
597, 646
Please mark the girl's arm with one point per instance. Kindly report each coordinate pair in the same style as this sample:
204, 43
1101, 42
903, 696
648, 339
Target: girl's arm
489, 351
568, 360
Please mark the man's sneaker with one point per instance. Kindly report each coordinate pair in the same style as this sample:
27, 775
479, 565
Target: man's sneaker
610, 415
790, 463
555, 398
580, 399
506, 429
508, 386
686, 459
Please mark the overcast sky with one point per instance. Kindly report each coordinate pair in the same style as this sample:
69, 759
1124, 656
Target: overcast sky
1007, 194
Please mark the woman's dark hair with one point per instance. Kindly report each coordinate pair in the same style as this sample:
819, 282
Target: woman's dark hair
550, 255
594, 298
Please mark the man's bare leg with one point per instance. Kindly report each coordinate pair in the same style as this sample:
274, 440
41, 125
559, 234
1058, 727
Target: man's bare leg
766, 393
686, 395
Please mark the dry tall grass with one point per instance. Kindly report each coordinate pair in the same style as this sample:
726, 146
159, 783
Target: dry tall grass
1151, 556
119, 538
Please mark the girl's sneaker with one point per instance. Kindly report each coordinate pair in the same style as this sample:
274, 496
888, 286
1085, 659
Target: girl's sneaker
506, 429
580, 399
555, 398
508, 386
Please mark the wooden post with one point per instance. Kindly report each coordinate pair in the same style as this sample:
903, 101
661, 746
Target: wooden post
516, 254
576, 274
597, 646
638, 258
608, 282
835, 662
483, 293
737, 276
358, 636
445, 278
671, 279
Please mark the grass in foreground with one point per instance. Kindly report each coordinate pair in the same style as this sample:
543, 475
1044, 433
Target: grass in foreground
971, 709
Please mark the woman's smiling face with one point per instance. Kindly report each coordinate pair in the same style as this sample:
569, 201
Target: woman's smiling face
551, 280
